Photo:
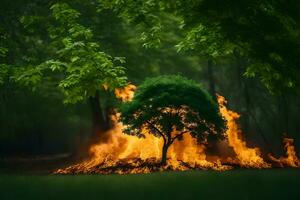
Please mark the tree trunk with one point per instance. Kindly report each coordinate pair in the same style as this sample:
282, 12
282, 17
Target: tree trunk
164, 154
211, 80
247, 113
284, 114
99, 122
243, 87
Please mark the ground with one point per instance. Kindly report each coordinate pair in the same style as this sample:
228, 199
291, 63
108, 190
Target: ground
235, 184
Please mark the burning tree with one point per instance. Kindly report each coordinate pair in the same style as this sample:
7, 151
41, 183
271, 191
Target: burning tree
169, 107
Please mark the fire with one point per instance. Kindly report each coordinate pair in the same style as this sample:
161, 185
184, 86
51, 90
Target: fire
120, 153
246, 157
126, 93
291, 159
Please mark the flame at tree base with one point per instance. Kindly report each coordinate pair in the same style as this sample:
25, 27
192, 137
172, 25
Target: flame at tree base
123, 154
139, 166
119, 153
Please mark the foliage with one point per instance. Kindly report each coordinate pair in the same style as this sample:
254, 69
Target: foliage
85, 67
3, 73
265, 32
59, 50
148, 17
74, 61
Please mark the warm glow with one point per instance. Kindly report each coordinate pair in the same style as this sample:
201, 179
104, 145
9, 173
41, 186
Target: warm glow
121, 153
291, 159
245, 156
126, 93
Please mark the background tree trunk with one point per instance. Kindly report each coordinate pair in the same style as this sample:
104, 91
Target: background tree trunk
211, 80
243, 88
100, 122
283, 109
247, 113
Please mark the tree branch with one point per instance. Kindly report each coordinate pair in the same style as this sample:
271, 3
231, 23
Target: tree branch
159, 132
177, 136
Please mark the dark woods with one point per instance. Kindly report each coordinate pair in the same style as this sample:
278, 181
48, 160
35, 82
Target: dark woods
56, 60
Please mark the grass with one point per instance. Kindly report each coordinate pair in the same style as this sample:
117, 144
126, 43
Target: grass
196, 185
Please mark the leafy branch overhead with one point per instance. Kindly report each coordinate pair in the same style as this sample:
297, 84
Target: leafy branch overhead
85, 67
266, 33
75, 59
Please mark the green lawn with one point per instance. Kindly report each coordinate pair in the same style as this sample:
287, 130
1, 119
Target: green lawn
235, 184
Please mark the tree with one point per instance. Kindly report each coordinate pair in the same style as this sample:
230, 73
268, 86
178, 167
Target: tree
69, 51
169, 107
75, 62
86, 68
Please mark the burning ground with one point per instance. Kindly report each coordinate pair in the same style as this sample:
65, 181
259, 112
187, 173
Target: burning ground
122, 154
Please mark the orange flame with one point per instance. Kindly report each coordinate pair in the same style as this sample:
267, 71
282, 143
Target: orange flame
246, 157
120, 148
126, 93
121, 153
291, 159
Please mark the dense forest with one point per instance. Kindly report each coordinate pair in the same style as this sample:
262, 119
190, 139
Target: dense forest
60, 62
